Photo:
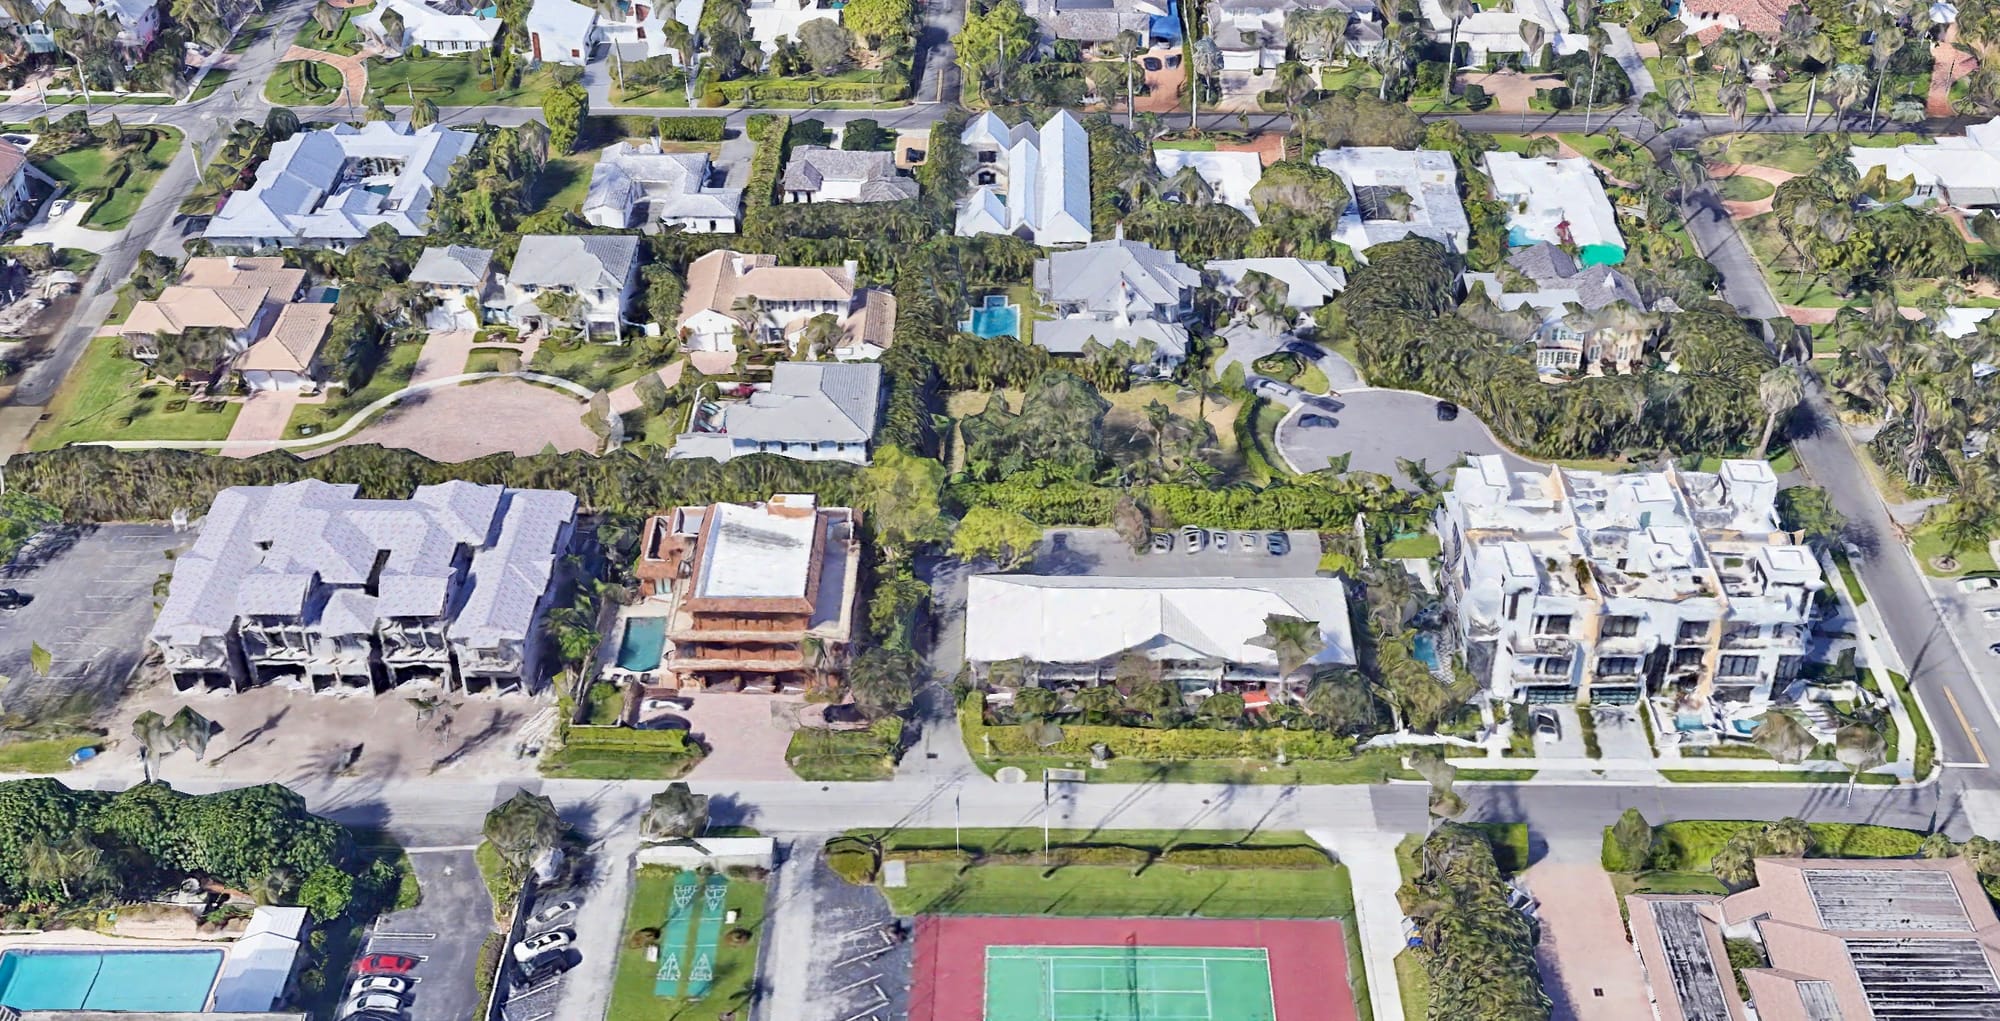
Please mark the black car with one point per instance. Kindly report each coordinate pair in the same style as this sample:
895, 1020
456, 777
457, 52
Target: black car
1163, 542
543, 967
14, 599
1315, 422
1447, 411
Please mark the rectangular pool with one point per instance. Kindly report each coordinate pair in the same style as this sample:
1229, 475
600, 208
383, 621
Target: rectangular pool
644, 641
129, 980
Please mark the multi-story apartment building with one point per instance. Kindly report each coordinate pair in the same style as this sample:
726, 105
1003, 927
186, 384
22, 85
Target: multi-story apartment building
749, 585
1577, 586
306, 584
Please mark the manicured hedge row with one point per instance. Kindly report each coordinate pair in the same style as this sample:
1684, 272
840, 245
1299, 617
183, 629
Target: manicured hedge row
1147, 743
617, 739
687, 129
1689, 846
854, 860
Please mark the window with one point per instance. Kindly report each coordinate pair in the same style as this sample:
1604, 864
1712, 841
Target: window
1687, 659
989, 157
1736, 666
1693, 631
1617, 666
1555, 624
1620, 627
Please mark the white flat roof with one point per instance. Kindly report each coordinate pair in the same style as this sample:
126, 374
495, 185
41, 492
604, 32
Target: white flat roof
753, 553
1089, 619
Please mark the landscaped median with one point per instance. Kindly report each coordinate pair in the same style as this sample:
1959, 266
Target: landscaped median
622, 753
822, 753
636, 990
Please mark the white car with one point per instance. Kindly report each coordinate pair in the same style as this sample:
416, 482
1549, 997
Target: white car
541, 943
373, 1001
1991, 613
1978, 584
378, 984
552, 912
59, 208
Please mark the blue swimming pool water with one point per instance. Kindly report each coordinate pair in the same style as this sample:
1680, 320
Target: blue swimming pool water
644, 642
1518, 237
329, 295
1425, 649
132, 980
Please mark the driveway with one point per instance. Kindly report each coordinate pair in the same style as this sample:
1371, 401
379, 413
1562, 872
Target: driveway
93, 605
444, 932
67, 230
1587, 966
1376, 427
460, 423
1102, 552
747, 735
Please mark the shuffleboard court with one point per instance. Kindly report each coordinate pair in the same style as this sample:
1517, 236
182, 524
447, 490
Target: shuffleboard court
1128, 983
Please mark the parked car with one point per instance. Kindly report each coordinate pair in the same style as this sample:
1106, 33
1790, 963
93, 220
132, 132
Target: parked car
60, 208
385, 964
1246, 541
1546, 725
14, 599
1163, 542
1218, 540
1447, 411
1315, 422
542, 943
1193, 538
1994, 648
373, 1001
378, 984
1978, 584
1277, 544
544, 967
1991, 613
551, 912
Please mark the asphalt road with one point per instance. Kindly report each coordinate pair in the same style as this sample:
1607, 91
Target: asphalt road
92, 592
444, 932
1376, 427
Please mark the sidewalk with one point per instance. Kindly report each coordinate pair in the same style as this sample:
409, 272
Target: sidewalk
1371, 868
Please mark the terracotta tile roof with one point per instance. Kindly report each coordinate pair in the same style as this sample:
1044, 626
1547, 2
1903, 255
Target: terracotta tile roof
180, 308
222, 271
12, 159
1763, 17
717, 279
293, 341
875, 322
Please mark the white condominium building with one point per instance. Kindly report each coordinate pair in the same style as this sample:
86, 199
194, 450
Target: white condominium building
1578, 586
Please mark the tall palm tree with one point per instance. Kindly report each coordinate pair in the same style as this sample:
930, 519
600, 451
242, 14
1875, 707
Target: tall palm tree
1293, 640
1126, 46
1779, 390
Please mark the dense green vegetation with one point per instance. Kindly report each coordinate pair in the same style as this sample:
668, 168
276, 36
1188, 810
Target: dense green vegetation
1479, 952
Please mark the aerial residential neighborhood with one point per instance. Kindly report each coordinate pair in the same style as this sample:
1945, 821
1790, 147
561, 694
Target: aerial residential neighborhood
999, 510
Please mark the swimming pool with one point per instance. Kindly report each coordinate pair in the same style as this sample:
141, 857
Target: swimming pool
995, 318
1424, 647
645, 639
130, 980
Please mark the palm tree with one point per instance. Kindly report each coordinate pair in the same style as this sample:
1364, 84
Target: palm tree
821, 334
1126, 46
524, 827
1294, 82
1388, 58
1599, 39
1293, 640
1779, 390
1457, 11
820, 657
1860, 748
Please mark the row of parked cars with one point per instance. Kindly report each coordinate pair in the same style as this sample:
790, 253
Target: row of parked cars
381, 988
1194, 540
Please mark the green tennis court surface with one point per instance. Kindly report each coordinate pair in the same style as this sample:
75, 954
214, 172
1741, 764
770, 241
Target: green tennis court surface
1128, 984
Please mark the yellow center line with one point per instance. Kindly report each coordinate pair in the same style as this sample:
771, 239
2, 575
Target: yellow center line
1964, 724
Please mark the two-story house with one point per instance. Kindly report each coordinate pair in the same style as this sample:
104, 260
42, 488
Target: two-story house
636, 184
459, 280
809, 411
731, 294
274, 338
1588, 320
1117, 292
574, 279
819, 174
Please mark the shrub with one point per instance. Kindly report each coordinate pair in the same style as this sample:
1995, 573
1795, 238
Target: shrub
1174, 745
1476, 97
1560, 98
689, 129
851, 860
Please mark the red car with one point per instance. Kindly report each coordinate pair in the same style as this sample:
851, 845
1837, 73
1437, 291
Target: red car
385, 964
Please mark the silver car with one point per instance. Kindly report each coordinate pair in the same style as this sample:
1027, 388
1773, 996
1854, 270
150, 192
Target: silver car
1193, 538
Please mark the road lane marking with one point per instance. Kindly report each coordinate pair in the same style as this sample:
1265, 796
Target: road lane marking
1964, 724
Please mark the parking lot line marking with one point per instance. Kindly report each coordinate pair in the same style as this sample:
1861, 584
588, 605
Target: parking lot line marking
404, 935
441, 849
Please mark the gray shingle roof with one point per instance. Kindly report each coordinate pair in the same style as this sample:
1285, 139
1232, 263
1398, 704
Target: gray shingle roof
811, 401
579, 262
812, 166
1543, 263
1104, 274
453, 265
312, 551
1599, 286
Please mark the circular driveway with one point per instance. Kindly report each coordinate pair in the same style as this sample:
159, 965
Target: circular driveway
1378, 426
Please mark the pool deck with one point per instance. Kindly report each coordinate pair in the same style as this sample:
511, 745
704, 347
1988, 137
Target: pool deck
87, 941
614, 636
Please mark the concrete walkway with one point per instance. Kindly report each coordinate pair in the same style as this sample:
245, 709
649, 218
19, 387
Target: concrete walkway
1371, 867
1948, 65
1623, 50
1587, 965
261, 423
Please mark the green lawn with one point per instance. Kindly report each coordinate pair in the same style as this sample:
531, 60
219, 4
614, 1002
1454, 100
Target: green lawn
281, 91
1367, 767
85, 169
1413, 547
632, 996
1413, 982
1928, 543
564, 181
209, 83
592, 364
393, 375
946, 887
1357, 74
46, 755
1740, 188
1689, 845
1786, 152
668, 97
346, 38
817, 753
502, 886
101, 399
1731, 776
450, 81
1926, 751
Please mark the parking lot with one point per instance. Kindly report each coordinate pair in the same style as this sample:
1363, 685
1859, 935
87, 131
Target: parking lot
92, 605
555, 915
443, 933
1101, 551
1375, 427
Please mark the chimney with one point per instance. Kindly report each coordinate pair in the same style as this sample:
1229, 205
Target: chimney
853, 270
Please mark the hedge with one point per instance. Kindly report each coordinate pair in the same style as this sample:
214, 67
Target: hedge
1159, 745
1689, 846
768, 133
765, 91
855, 860
687, 129
627, 739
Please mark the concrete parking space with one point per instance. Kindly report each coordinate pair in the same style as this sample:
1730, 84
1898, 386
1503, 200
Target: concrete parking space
93, 595
1587, 966
1102, 551
443, 932
835, 952
1375, 427
746, 735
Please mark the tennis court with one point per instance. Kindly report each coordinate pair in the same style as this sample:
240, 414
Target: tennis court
1129, 983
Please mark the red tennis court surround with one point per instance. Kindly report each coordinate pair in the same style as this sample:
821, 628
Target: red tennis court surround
1308, 959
